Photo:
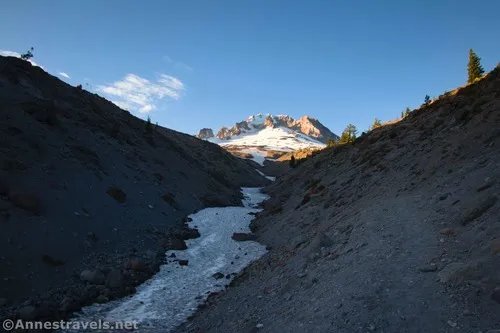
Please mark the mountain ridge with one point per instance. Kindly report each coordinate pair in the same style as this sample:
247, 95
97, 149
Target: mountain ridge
306, 125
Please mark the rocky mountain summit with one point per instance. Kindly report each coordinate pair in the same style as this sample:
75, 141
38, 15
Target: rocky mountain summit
306, 125
205, 133
267, 137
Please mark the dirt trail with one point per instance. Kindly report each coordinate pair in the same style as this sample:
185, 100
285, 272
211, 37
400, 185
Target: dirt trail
399, 232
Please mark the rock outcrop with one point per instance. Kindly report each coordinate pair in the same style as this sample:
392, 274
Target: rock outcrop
205, 133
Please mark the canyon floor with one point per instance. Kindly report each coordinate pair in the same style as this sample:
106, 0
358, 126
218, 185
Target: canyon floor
397, 232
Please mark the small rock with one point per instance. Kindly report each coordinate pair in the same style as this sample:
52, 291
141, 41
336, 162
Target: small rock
27, 202
457, 272
446, 231
452, 324
301, 274
259, 325
27, 313
485, 186
117, 194
114, 279
467, 313
427, 269
218, 275
495, 246
477, 209
242, 237
183, 262
371, 328
444, 196
150, 206
94, 277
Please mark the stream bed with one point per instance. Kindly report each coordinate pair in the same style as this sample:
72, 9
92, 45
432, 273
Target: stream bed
175, 292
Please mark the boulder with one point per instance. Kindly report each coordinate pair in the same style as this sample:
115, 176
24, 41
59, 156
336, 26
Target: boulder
117, 194
242, 237
177, 244
446, 231
92, 276
136, 264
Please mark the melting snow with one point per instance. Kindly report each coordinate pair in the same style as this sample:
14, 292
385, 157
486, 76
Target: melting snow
258, 155
280, 138
268, 177
173, 294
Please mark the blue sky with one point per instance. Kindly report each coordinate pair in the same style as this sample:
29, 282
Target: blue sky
193, 64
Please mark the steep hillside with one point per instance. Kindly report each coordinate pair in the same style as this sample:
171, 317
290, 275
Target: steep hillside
91, 196
267, 137
399, 232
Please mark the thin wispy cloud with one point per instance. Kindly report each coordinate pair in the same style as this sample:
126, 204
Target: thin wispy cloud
183, 66
178, 64
6, 53
134, 93
64, 75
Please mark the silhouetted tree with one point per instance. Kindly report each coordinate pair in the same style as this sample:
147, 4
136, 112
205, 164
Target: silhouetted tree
332, 142
427, 99
292, 162
28, 55
149, 126
349, 134
376, 123
474, 68
407, 112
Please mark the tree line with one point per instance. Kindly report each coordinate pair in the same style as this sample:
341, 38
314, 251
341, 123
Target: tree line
474, 72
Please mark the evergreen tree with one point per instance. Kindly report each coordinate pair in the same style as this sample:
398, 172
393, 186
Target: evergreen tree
427, 99
149, 126
402, 114
349, 134
28, 55
474, 68
332, 142
407, 112
292, 162
376, 123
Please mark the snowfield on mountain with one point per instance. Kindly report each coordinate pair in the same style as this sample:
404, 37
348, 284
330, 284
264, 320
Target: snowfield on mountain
267, 137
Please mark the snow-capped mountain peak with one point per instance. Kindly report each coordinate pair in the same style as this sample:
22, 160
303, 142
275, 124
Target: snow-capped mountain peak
268, 136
